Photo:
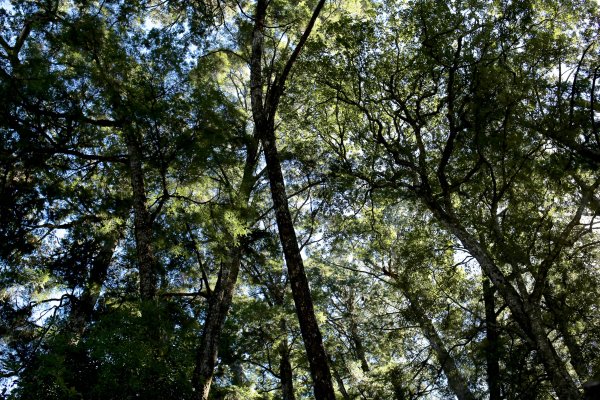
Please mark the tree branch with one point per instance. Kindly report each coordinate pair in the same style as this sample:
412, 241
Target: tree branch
279, 84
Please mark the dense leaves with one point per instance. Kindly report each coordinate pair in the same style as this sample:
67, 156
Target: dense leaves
437, 162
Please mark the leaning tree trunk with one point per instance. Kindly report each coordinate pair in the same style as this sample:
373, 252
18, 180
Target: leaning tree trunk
456, 381
492, 342
309, 327
339, 380
220, 298
526, 314
558, 311
219, 303
264, 109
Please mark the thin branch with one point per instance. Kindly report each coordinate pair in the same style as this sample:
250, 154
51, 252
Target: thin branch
199, 259
278, 86
226, 51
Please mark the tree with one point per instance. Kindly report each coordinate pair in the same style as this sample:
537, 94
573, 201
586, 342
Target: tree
269, 199
264, 109
432, 130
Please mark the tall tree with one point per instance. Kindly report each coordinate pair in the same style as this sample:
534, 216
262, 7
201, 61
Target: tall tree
433, 132
264, 110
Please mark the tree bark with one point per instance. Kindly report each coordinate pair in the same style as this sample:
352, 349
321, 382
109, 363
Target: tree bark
339, 381
456, 381
285, 366
492, 343
299, 283
397, 385
147, 262
218, 307
359, 349
557, 309
264, 111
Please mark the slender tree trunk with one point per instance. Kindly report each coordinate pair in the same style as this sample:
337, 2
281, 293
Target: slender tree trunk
276, 294
263, 111
359, 349
285, 366
492, 343
397, 385
299, 283
82, 313
148, 266
527, 315
339, 380
147, 262
237, 369
456, 381
218, 307
220, 298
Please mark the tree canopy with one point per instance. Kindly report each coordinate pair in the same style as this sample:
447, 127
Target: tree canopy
290, 200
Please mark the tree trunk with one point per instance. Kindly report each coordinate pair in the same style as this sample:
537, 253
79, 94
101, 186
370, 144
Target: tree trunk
559, 313
147, 262
456, 381
220, 298
492, 343
398, 386
359, 349
148, 266
218, 307
263, 111
285, 366
527, 315
299, 283
339, 381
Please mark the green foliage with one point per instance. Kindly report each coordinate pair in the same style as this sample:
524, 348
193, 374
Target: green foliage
115, 359
402, 123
